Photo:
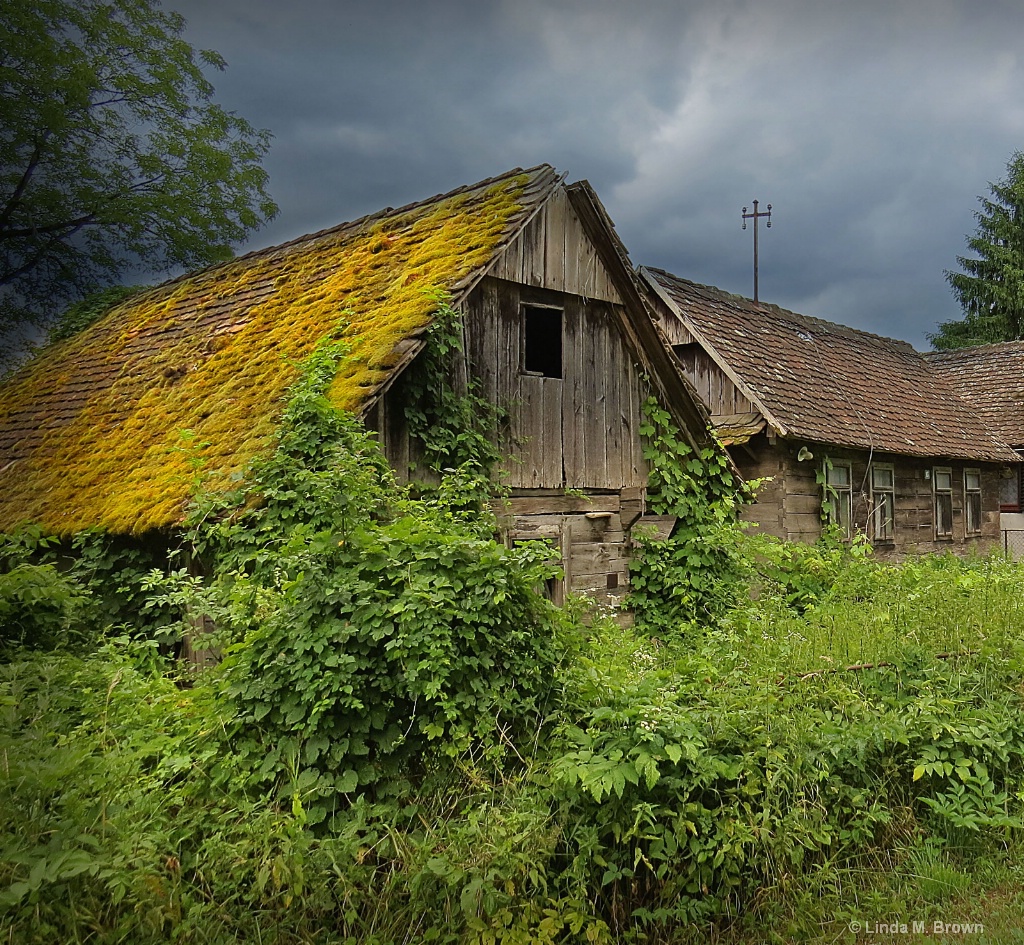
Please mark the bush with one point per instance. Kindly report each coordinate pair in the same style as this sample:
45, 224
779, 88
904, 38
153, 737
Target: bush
39, 607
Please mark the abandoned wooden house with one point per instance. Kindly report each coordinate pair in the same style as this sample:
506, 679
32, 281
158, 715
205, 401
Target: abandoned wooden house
843, 424
556, 328
991, 379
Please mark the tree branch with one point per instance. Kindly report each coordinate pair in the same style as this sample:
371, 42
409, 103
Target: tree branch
33, 163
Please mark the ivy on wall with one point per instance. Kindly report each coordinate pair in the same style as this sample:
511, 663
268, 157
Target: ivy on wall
690, 576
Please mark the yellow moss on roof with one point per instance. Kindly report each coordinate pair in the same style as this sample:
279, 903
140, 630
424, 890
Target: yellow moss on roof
100, 417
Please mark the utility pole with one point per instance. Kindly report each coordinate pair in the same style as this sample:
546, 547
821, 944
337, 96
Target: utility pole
754, 216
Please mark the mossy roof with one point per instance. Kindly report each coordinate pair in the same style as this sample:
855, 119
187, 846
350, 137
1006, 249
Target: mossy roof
91, 430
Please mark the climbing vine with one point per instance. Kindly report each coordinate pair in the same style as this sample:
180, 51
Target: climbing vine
690, 576
455, 427
366, 628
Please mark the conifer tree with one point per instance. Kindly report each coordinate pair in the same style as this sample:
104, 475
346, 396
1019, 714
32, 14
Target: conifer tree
990, 288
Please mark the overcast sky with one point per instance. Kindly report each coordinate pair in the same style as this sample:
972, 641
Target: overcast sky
871, 128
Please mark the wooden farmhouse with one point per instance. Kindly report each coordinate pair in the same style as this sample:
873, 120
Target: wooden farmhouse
991, 379
842, 424
556, 325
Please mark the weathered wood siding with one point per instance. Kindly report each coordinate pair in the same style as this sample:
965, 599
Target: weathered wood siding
714, 387
554, 252
578, 431
790, 505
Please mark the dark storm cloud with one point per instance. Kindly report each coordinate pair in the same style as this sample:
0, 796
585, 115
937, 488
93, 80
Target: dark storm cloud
870, 128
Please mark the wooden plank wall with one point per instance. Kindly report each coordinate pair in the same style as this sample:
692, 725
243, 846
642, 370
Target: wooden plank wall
578, 431
589, 533
553, 252
713, 386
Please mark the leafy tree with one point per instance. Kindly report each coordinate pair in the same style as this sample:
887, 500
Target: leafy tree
991, 288
113, 154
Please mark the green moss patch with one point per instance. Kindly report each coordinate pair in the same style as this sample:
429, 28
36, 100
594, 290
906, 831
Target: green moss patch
102, 414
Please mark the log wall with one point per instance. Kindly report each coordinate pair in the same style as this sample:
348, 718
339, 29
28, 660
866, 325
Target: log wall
789, 506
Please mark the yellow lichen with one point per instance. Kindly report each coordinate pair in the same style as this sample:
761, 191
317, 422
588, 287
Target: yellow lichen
215, 352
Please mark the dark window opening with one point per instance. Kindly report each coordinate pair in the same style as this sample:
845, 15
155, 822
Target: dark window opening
542, 341
611, 581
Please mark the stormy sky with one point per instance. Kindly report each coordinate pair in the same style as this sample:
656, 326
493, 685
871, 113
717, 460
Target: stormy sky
871, 128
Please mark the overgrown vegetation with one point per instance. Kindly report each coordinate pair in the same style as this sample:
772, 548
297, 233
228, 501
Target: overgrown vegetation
690, 576
405, 741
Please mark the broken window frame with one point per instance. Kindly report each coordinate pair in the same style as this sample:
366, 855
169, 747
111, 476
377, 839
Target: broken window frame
972, 502
942, 502
538, 360
883, 502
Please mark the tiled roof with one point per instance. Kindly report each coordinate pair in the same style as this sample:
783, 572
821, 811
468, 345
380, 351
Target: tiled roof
991, 379
824, 382
91, 430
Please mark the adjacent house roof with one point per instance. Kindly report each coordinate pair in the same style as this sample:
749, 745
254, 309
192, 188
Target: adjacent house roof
819, 381
991, 379
91, 431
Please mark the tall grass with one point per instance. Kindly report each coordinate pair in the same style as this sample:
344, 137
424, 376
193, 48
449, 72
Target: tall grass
694, 786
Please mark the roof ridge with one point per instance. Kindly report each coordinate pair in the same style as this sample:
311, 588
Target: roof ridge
741, 301
992, 346
349, 224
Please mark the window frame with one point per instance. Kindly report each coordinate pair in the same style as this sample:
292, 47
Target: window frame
945, 494
525, 308
1015, 479
973, 518
839, 496
883, 499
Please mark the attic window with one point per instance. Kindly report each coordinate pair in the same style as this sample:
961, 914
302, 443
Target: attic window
542, 341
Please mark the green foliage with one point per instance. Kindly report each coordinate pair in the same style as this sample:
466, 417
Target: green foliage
693, 782
456, 428
990, 289
679, 790
364, 631
691, 576
85, 586
38, 606
113, 152
92, 308
805, 575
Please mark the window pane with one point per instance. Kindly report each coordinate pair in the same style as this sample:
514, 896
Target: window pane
973, 506
943, 514
943, 479
839, 476
881, 478
1009, 492
883, 511
972, 478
